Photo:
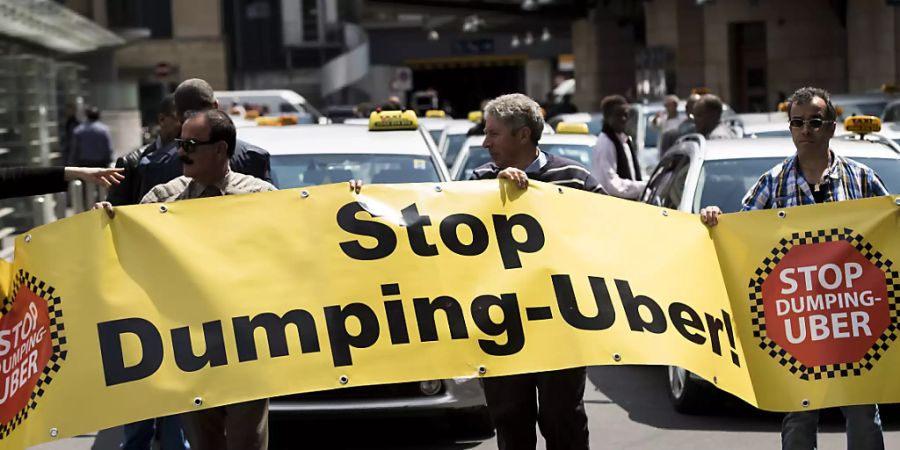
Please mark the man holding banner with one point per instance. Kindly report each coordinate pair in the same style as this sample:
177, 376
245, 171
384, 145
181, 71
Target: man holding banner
513, 127
815, 175
206, 146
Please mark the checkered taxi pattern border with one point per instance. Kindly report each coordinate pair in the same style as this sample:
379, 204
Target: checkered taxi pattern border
58, 340
774, 350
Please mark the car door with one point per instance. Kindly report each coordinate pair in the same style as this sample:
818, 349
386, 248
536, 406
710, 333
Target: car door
666, 186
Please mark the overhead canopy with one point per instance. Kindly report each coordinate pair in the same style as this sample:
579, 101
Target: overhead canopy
53, 26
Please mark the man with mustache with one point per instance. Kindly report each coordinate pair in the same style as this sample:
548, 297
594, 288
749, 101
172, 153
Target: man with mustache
205, 149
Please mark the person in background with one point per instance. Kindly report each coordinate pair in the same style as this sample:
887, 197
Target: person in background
91, 142
614, 161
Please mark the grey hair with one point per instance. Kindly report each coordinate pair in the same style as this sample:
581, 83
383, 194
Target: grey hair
517, 111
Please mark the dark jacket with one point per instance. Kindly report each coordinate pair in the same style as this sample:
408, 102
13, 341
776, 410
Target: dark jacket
558, 170
128, 192
248, 159
23, 181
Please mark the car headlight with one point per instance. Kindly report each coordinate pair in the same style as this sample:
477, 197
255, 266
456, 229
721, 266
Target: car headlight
431, 387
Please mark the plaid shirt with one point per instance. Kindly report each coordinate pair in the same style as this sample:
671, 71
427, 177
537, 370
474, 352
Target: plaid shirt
784, 186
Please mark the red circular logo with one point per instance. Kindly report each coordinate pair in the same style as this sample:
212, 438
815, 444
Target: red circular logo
25, 349
825, 303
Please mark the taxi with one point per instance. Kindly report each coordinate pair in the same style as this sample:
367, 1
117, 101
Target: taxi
391, 149
696, 173
571, 140
434, 122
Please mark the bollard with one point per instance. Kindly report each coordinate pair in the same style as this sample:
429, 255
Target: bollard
90, 196
76, 193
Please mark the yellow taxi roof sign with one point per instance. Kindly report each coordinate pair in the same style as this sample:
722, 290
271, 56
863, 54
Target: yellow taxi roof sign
572, 128
475, 116
700, 90
251, 114
393, 120
783, 106
839, 110
276, 121
890, 88
862, 124
435, 113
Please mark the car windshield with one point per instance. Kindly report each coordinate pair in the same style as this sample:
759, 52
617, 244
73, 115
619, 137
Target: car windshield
436, 134
724, 182
479, 156
863, 109
453, 146
293, 171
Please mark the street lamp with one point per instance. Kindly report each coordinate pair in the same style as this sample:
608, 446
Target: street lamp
515, 41
545, 35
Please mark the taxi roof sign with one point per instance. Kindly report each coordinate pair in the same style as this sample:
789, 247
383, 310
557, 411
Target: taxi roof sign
862, 124
276, 121
572, 128
783, 106
393, 120
435, 113
890, 88
475, 116
251, 114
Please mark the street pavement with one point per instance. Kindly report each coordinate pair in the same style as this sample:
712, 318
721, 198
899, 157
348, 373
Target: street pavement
627, 409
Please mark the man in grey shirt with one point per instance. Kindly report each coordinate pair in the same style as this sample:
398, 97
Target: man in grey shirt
205, 148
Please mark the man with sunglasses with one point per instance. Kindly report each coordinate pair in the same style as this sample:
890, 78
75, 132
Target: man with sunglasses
815, 174
205, 149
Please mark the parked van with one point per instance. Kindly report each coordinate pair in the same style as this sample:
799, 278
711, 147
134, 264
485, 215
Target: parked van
271, 102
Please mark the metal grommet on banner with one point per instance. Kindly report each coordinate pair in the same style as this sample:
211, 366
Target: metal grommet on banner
437, 189
27, 238
782, 214
804, 403
54, 432
163, 209
343, 379
482, 370
304, 194
665, 213
560, 190
715, 380
617, 357
198, 401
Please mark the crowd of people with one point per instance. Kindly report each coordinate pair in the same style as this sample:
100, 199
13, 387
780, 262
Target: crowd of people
197, 154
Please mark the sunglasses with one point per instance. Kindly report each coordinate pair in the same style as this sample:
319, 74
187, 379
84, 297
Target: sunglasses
190, 145
814, 123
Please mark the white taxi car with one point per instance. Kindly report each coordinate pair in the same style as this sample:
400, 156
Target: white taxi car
696, 173
571, 141
305, 155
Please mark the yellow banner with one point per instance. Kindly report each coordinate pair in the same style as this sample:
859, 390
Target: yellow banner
195, 304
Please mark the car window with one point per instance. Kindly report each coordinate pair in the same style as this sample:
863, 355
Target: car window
293, 171
436, 134
578, 153
863, 109
892, 113
886, 168
452, 147
666, 187
479, 156
287, 108
723, 183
